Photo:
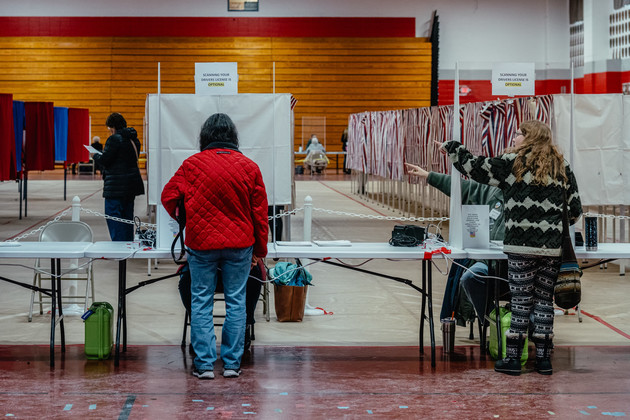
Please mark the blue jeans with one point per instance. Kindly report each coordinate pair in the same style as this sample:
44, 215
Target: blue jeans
123, 209
235, 264
475, 287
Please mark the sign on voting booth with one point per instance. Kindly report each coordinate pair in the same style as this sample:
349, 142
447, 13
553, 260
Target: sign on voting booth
513, 79
173, 122
216, 78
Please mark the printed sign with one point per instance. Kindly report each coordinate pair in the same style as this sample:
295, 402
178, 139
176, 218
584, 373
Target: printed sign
216, 79
476, 221
513, 79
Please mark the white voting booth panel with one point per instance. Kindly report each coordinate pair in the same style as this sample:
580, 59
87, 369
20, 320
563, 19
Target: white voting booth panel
173, 123
600, 146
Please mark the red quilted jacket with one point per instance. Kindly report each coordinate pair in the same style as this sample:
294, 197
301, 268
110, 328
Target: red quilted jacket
225, 200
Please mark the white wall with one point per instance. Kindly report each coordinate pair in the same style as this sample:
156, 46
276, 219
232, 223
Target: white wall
473, 32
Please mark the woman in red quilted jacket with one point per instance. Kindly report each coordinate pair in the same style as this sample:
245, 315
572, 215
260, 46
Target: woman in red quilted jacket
226, 227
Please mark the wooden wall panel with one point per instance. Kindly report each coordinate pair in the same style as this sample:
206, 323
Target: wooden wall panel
330, 77
333, 78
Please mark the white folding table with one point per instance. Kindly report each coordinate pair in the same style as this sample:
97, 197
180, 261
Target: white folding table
56, 251
381, 250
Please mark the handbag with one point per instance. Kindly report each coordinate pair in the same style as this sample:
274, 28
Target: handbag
568, 289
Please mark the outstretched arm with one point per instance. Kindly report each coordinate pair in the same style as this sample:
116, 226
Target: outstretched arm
415, 170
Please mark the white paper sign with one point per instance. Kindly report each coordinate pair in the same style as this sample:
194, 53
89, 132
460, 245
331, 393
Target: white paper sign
216, 78
513, 79
476, 226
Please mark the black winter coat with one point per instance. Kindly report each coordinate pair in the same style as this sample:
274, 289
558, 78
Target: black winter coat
120, 165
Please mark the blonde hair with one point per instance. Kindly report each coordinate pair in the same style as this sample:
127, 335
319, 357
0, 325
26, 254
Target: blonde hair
538, 155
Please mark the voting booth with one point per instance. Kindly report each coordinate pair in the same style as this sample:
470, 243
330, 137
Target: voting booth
172, 126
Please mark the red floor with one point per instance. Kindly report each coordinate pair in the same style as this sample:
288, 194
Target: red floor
154, 382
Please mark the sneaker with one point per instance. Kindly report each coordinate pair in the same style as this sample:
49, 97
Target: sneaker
510, 366
231, 373
203, 374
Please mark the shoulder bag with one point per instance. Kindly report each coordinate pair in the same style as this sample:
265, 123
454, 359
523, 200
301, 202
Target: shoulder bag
568, 289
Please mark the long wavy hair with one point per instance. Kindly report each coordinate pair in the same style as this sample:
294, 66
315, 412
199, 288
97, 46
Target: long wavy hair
537, 154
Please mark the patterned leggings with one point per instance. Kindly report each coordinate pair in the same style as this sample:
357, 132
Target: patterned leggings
532, 279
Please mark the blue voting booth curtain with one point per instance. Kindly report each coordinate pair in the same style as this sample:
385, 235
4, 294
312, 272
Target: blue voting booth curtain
61, 133
18, 125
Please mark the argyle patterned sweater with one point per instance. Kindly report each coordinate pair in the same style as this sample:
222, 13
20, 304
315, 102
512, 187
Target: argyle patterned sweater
533, 212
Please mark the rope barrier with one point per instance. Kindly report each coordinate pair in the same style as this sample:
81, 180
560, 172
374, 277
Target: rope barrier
280, 215
152, 226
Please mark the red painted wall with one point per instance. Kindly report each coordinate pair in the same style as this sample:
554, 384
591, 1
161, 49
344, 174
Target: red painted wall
208, 26
481, 90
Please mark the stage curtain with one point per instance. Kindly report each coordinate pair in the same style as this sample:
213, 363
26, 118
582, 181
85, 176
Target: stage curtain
61, 133
18, 125
7, 143
39, 147
78, 134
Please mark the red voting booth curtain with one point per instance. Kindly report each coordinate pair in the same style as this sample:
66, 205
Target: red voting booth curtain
39, 148
78, 134
7, 139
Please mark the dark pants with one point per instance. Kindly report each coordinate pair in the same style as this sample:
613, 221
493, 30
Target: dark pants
122, 209
275, 225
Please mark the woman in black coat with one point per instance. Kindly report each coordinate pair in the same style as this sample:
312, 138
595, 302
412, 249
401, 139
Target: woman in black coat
121, 176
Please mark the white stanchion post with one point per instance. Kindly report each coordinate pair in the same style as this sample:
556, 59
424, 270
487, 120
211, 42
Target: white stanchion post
72, 286
76, 209
308, 219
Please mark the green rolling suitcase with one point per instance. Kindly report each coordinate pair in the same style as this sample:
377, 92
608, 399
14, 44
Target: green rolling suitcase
99, 328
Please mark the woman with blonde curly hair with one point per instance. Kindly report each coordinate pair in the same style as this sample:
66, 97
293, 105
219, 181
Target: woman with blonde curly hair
535, 180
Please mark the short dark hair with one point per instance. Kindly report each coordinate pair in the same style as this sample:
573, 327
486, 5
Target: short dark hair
115, 120
218, 128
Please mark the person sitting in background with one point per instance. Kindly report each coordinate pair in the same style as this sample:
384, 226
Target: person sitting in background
472, 193
315, 160
314, 146
308, 143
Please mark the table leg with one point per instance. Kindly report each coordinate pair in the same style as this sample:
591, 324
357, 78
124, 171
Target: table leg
424, 304
430, 298
124, 305
53, 320
122, 267
60, 306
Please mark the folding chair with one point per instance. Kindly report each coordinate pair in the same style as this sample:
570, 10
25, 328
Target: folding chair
65, 231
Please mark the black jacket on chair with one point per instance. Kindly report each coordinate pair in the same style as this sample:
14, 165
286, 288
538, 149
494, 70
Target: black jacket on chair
121, 175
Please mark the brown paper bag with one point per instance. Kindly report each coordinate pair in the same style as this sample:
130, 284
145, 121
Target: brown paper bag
289, 302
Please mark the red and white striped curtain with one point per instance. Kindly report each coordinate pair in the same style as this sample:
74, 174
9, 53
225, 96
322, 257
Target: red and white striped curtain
380, 142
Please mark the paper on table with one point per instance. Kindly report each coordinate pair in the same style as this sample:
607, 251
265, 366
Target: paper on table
298, 243
341, 242
92, 150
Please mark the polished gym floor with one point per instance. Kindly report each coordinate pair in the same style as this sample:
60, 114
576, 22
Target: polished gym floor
360, 360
